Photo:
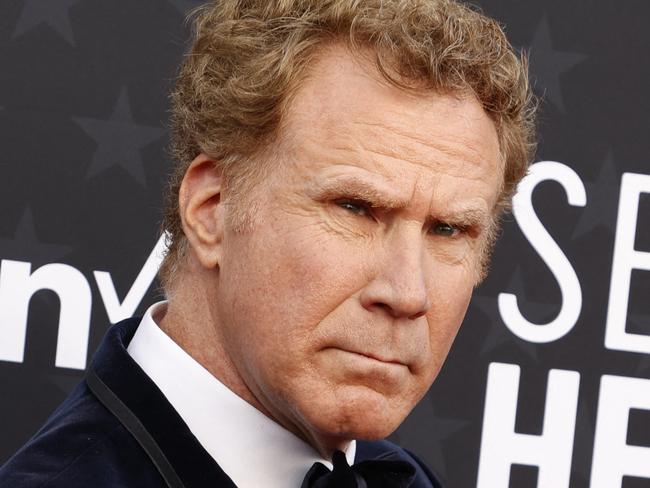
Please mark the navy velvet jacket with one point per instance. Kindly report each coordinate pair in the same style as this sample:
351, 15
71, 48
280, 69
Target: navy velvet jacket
116, 429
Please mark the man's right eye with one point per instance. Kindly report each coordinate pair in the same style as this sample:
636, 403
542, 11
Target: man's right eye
357, 208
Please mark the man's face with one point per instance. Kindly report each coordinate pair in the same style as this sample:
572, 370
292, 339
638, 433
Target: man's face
339, 306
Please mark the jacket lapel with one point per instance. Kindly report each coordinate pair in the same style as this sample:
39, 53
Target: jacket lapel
119, 383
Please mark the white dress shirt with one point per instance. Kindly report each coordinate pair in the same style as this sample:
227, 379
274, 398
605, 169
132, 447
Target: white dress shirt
252, 449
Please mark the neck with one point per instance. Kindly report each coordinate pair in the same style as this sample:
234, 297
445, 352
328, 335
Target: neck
191, 322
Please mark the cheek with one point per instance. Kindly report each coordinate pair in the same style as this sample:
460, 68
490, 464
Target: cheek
279, 292
318, 271
450, 299
285, 282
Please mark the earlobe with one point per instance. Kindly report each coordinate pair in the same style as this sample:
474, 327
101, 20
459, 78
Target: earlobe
201, 209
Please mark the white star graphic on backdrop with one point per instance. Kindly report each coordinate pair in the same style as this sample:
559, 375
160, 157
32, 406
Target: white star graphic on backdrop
547, 64
603, 196
119, 140
51, 12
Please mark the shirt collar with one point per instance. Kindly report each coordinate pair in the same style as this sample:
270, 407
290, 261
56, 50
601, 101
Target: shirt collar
232, 431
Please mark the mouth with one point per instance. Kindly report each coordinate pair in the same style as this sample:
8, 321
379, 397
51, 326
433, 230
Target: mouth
374, 357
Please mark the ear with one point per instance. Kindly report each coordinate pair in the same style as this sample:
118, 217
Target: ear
202, 209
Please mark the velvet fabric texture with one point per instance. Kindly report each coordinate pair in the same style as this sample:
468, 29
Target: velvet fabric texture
84, 444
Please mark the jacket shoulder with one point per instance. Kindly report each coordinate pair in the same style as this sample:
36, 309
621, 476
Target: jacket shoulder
82, 444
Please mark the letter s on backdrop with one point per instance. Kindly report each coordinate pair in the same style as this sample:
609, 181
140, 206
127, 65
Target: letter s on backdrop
549, 251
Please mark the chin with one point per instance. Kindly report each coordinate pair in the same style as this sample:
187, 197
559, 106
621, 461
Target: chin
358, 413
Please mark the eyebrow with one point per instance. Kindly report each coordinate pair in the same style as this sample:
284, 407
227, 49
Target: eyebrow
356, 188
470, 217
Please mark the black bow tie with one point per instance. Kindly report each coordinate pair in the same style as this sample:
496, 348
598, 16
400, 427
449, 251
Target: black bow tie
384, 473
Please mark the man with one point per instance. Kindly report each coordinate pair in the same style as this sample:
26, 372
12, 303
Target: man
341, 169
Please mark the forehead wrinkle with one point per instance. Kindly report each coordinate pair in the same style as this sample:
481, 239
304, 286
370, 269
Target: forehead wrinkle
342, 139
370, 186
447, 146
436, 167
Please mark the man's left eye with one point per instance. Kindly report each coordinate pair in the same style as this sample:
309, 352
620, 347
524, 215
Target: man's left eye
444, 229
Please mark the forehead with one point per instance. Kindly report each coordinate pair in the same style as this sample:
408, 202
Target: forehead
345, 112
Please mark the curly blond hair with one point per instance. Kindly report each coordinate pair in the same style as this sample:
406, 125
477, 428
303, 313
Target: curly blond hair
249, 56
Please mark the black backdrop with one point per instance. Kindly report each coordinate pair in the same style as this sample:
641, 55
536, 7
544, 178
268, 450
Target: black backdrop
83, 105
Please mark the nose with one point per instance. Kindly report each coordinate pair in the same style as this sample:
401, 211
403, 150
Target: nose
399, 285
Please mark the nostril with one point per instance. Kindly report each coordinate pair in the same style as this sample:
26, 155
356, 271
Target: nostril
384, 306
398, 312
